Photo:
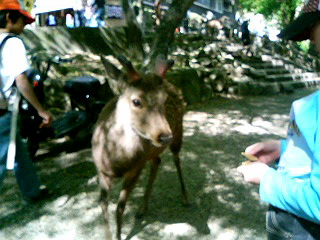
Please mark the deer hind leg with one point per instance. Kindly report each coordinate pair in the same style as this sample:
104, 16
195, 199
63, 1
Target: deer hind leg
105, 183
175, 149
155, 163
129, 182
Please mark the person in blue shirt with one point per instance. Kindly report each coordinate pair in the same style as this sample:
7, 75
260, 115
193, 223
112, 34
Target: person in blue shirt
292, 189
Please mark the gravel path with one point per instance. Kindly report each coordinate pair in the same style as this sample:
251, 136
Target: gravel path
222, 206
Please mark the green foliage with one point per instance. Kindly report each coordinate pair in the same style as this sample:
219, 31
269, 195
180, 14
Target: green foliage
281, 10
304, 46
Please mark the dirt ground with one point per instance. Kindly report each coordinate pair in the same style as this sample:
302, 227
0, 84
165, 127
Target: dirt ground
222, 205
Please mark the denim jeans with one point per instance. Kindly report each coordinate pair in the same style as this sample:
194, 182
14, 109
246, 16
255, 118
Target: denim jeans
282, 225
25, 171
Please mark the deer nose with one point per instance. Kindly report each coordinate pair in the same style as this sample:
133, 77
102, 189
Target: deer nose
165, 138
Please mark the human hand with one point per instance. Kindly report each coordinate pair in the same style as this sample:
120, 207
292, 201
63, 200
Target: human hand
266, 152
253, 172
46, 119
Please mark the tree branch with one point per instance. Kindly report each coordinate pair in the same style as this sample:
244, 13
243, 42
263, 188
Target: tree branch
165, 32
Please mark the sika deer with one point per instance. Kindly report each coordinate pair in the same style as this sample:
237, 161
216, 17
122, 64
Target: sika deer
136, 127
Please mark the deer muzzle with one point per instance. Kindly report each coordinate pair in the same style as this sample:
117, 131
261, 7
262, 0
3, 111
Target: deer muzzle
164, 139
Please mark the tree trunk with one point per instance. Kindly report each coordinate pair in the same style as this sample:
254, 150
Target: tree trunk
164, 35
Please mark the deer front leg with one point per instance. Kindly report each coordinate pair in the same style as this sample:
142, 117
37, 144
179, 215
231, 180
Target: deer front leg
175, 149
105, 183
176, 160
129, 182
155, 163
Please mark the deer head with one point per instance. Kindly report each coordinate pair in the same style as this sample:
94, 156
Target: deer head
142, 105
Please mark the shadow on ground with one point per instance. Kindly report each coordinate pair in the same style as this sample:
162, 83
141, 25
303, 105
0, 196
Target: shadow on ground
221, 205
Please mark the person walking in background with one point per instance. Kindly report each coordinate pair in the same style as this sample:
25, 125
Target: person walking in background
51, 21
69, 20
88, 13
293, 188
245, 37
99, 12
13, 65
245, 33
79, 10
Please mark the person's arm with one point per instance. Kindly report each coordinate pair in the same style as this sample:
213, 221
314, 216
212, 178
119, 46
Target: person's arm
297, 195
14, 60
27, 91
301, 198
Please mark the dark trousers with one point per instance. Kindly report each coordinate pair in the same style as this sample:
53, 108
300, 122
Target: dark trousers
282, 225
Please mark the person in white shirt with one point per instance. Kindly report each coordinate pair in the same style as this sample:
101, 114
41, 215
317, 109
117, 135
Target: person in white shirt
13, 65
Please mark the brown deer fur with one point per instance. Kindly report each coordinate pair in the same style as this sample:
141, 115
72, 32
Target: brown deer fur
135, 128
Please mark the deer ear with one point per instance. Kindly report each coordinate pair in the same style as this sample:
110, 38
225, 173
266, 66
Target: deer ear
133, 76
162, 66
112, 70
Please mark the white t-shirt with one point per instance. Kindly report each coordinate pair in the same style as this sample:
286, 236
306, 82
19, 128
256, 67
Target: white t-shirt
13, 62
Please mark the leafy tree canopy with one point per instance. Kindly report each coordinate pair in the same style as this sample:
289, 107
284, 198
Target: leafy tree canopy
282, 10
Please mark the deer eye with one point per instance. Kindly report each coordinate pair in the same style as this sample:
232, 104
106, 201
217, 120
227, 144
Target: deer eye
137, 103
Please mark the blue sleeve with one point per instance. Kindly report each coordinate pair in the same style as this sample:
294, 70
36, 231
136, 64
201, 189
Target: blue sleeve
295, 195
283, 146
301, 198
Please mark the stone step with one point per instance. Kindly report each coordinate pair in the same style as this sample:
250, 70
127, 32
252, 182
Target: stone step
252, 61
284, 62
264, 65
276, 70
294, 76
269, 75
270, 71
265, 88
280, 78
273, 74
312, 81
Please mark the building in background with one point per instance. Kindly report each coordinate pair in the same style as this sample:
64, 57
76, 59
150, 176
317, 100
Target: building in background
219, 8
43, 9
214, 9
63, 8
